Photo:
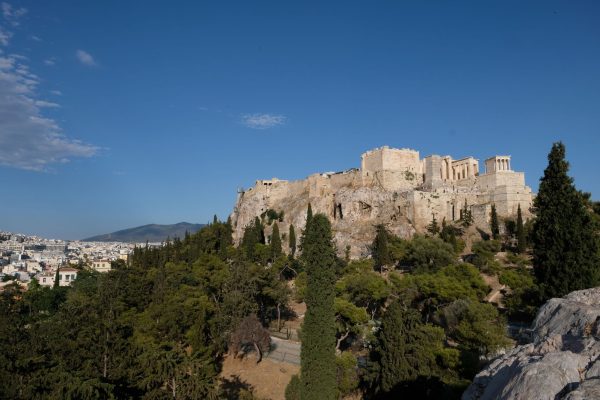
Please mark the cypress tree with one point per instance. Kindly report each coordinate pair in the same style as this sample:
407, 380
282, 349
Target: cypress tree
251, 238
56, 278
309, 216
318, 368
379, 248
494, 226
521, 239
292, 240
260, 232
565, 246
275, 242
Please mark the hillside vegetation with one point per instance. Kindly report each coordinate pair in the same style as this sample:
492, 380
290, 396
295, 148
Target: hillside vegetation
417, 318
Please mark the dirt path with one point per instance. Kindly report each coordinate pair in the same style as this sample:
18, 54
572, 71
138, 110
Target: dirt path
267, 379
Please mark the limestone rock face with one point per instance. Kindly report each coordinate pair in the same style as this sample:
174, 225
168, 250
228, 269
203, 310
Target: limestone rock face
393, 187
563, 362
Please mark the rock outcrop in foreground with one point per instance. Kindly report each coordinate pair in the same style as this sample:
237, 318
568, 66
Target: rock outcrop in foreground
562, 363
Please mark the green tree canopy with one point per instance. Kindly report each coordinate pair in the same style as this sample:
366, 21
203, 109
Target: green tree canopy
565, 243
428, 254
494, 224
521, 237
379, 248
318, 372
275, 242
292, 240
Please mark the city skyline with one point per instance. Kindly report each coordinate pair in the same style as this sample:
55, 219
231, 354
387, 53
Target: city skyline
118, 115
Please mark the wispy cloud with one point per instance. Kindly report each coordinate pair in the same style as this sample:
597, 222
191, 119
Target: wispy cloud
11, 14
4, 37
28, 139
263, 121
50, 61
85, 58
56, 92
44, 103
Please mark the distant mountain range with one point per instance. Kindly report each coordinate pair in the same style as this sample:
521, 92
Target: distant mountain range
150, 233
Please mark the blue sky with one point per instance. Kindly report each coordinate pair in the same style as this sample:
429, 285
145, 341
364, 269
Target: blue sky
115, 114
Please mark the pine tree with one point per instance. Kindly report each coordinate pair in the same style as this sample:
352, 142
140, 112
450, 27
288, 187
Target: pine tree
379, 248
318, 368
466, 217
433, 228
494, 226
565, 246
521, 239
292, 240
275, 242
404, 347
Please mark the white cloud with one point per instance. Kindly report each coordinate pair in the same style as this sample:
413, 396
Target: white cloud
85, 58
56, 92
36, 38
11, 14
263, 121
28, 139
4, 37
44, 103
50, 61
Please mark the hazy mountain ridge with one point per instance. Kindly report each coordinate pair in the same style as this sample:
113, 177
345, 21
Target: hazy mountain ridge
150, 233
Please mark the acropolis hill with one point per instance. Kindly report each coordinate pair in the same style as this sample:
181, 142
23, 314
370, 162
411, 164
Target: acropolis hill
394, 187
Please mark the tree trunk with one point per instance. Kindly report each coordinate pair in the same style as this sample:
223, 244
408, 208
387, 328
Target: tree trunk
340, 340
105, 369
258, 353
278, 317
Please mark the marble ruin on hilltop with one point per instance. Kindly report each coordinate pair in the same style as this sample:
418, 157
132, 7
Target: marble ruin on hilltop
394, 187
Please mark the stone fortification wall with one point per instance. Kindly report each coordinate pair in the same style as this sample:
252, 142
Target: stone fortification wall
392, 169
389, 189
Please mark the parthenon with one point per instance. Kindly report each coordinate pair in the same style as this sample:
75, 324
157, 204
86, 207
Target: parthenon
394, 187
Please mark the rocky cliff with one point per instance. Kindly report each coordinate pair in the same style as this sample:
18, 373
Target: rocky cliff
562, 362
393, 187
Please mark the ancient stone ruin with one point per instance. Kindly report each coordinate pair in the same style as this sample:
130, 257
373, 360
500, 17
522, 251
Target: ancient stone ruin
394, 187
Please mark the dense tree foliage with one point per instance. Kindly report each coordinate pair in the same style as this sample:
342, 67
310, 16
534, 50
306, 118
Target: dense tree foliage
379, 248
411, 321
155, 328
428, 254
410, 349
520, 232
318, 377
433, 228
275, 243
565, 241
466, 216
494, 224
292, 240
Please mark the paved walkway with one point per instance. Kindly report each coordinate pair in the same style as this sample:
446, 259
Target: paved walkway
284, 351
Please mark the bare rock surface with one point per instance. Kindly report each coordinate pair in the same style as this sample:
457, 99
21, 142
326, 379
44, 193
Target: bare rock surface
563, 362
